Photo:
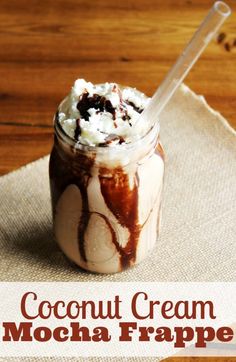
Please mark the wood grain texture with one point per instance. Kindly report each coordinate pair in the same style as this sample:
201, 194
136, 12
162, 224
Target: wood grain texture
46, 44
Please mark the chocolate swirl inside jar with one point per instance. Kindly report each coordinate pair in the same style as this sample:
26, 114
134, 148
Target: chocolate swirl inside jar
106, 193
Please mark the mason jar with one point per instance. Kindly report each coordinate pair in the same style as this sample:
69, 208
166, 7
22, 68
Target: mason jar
106, 201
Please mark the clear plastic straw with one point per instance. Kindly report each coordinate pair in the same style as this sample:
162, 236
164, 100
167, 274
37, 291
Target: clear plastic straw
207, 30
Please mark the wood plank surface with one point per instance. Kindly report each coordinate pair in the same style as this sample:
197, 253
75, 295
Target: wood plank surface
46, 44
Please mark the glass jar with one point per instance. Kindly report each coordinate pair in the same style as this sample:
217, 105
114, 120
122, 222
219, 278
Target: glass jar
106, 201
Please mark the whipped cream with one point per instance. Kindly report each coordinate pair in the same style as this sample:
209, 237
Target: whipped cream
103, 115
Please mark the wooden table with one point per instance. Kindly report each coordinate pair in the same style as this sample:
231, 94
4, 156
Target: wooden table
46, 44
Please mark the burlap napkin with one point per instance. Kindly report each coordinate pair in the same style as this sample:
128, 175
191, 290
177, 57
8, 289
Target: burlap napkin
198, 238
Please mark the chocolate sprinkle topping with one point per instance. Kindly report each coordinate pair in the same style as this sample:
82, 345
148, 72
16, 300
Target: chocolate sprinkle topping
221, 37
227, 47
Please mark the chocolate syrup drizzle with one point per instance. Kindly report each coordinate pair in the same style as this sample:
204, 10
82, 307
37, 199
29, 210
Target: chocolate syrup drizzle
121, 200
123, 203
101, 104
97, 102
85, 216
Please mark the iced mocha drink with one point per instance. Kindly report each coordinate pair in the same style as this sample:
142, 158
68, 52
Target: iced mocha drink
106, 177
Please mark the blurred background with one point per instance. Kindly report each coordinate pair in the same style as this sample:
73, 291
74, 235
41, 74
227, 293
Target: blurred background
45, 45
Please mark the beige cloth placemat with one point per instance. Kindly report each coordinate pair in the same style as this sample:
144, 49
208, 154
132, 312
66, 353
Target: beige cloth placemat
198, 237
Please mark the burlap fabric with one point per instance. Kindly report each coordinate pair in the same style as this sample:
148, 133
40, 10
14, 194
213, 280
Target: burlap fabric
198, 237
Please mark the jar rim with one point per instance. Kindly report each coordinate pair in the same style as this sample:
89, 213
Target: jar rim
154, 130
